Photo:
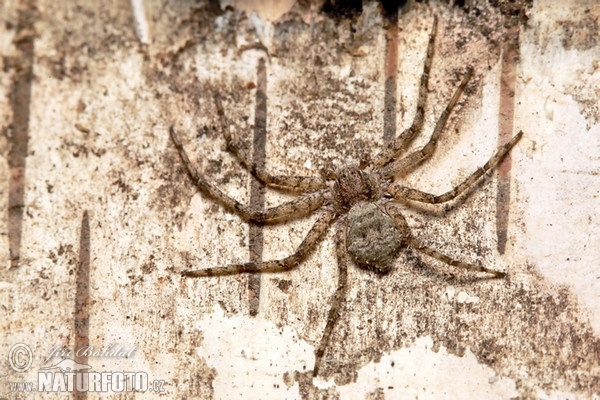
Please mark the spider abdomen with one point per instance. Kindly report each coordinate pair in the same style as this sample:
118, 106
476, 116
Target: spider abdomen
372, 239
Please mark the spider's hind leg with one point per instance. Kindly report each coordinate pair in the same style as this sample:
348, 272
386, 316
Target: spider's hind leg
395, 213
415, 244
314, 236
339, 295
294, 184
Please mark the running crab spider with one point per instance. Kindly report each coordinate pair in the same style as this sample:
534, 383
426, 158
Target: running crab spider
371, 229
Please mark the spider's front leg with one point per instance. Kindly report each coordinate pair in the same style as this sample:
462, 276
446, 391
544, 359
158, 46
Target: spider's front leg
412, 160
294, 184
405, 138
314, 236
300, 207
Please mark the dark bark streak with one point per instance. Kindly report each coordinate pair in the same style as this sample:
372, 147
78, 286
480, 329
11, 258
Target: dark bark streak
257, 189
391, 86
18, 138
82, 298
510, 59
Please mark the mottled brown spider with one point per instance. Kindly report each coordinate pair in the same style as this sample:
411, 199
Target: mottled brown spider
371, 229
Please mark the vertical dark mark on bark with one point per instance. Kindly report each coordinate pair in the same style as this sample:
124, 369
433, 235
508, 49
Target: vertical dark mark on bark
257, 190
508, 76
391, 72
18, 137
82, 298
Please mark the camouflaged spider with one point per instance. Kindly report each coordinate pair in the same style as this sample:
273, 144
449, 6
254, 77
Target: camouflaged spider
371, 229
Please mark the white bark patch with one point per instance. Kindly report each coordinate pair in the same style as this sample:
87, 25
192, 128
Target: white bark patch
419, 372
251, 355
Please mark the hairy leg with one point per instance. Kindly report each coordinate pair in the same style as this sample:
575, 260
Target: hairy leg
415, 244
404, 193
297, 208
295, 184
419, 156
339, 295
395, 213
405, 138
314, 236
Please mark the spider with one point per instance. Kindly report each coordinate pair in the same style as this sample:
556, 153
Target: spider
361, 198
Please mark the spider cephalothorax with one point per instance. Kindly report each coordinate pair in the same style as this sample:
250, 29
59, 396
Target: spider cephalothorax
371, 229
352, 186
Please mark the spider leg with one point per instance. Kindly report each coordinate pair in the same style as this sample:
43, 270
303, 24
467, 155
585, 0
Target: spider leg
314, 236
295, 184
299, 207
395, 213
339, 295
445, 259
417, 157
406, 137
401, 192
